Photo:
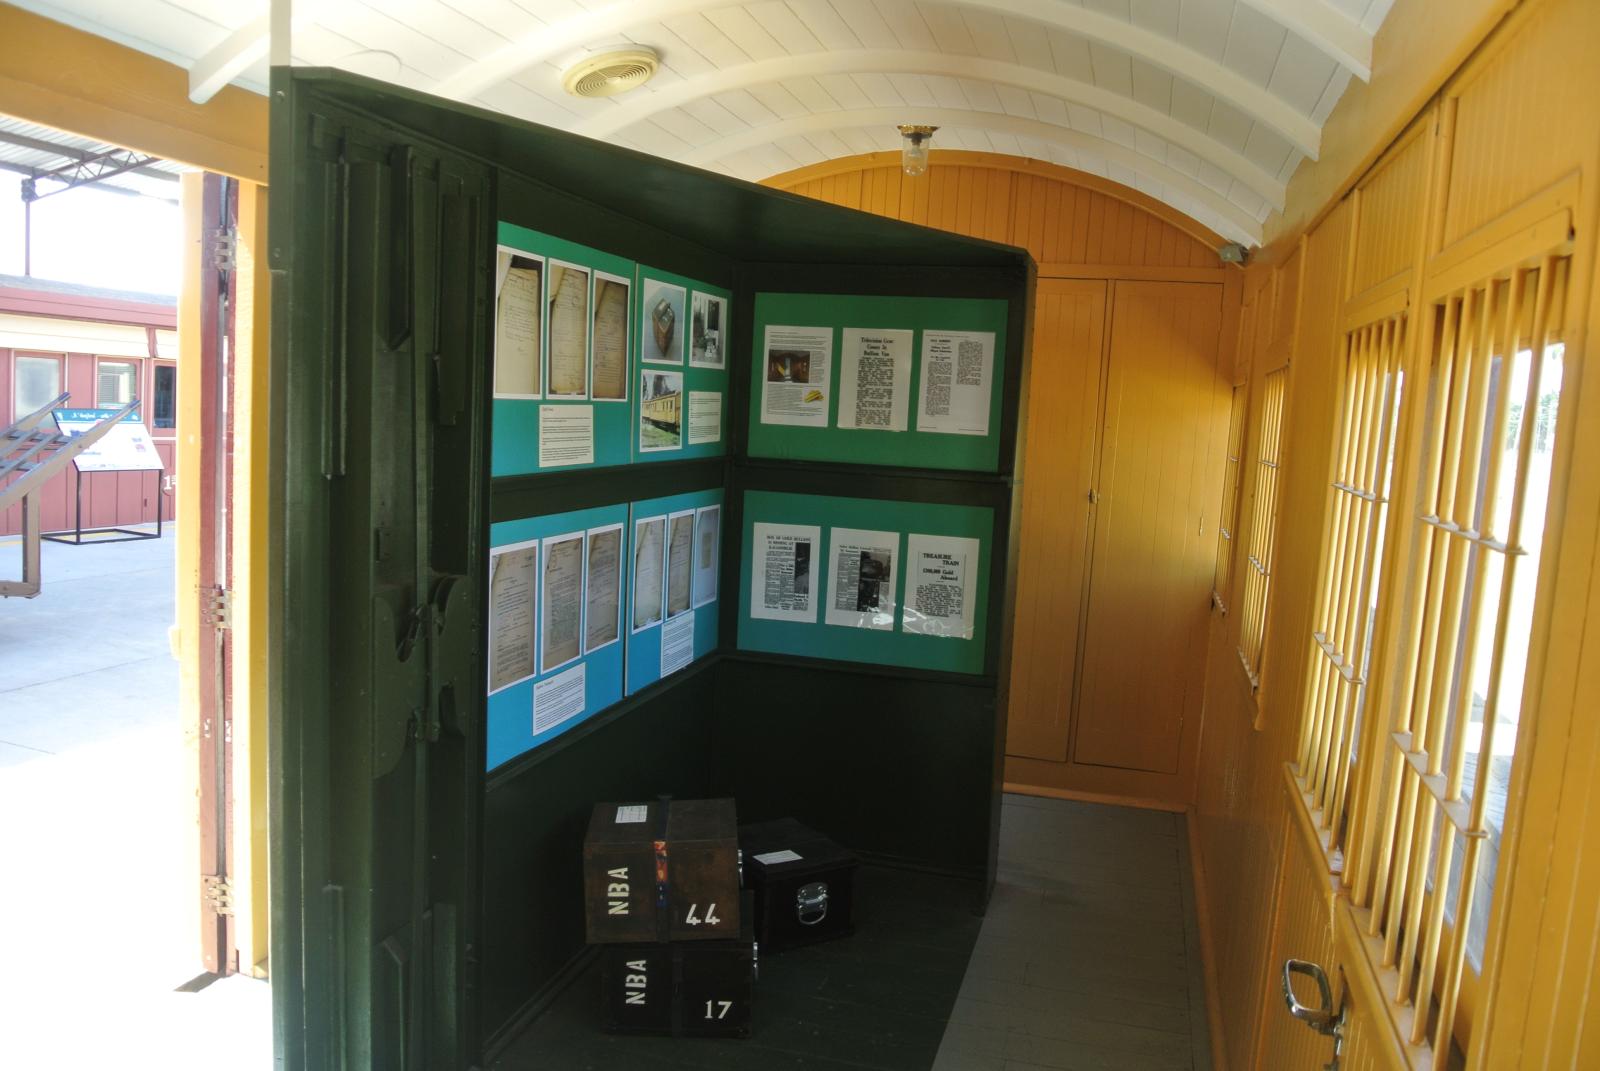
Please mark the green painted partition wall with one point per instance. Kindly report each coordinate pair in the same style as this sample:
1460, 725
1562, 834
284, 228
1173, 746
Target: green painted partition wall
425, 906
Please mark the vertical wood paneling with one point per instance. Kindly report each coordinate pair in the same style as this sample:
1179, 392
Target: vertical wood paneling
1390, 214
1165, 426
1239, 800
1064, 399
1055, 219
1303, 930
1522, 119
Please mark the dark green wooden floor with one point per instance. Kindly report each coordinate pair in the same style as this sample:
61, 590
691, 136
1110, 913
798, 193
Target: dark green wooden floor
1087, 959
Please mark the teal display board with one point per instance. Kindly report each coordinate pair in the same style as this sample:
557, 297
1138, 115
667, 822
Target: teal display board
529, 702
521, 403
665, 631
857, 445
654, 410
693, 368
851, 531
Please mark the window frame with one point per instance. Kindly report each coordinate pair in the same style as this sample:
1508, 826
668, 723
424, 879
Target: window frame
1401, 893
18, 356
1260, 543
156, 368
1222, 574
133, 390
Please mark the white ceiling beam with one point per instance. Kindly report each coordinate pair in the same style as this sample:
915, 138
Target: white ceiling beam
236, 54
1333, 33
1242, 226
638, 107
269, 34
1218, 79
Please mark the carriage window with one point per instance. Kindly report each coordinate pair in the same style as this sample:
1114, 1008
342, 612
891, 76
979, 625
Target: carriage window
165, 409
38, 383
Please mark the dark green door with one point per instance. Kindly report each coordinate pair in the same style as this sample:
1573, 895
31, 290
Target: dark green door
380, 246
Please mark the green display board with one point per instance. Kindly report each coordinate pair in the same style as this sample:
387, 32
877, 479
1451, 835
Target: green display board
842, 524
841, 313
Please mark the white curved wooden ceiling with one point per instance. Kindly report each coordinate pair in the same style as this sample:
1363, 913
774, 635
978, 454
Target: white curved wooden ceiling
1207, 105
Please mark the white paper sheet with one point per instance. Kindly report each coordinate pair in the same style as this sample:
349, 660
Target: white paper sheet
649, 545
513, 587
559, 698
861, 578
609, 373
707, 559
957, 382
677, 643
561, 602
941, 585
705, 416
783, 579
602, 585
874, 379
568, 302
566, 435
680, 561
518, 303
796, 362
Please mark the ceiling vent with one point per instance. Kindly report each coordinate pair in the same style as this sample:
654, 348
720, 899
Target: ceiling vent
611, 73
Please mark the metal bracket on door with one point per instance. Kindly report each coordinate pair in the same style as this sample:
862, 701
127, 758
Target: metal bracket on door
1322, 1020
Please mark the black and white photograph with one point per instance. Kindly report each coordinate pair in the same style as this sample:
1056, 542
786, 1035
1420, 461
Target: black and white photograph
861, 578
707, 330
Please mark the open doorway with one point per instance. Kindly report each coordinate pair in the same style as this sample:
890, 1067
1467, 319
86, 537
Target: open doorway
115, 784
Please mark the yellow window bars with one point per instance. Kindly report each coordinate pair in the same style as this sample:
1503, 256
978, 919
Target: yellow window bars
1346, 607
1223, 576
1263, 524
1483, 475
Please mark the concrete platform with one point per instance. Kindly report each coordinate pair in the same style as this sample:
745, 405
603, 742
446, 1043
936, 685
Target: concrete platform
96, 931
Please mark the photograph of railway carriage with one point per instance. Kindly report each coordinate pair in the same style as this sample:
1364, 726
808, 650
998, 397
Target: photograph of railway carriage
660, 410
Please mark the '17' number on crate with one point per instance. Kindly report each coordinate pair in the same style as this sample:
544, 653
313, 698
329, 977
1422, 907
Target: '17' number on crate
718, 1009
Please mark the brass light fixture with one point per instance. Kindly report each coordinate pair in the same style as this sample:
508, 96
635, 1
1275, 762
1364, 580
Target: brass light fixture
914, 153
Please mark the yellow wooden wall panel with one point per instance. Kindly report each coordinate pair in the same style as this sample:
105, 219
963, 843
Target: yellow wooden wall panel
1303, 930
1164, 424
1239, 798
1524, 118
1064, 394
1390, 218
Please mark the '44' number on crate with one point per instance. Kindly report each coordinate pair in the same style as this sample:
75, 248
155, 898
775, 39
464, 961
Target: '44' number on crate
710, 919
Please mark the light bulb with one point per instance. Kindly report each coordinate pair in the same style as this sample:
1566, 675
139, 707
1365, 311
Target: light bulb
914, 158
914, 150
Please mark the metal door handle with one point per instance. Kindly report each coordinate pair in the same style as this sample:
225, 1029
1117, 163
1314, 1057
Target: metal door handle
1322, 1019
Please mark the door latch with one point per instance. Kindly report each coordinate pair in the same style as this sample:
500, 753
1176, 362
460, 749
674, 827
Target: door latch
1322, 1019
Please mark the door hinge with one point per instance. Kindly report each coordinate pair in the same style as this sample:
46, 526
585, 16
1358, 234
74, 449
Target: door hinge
219, 894
223, 247
216, 608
